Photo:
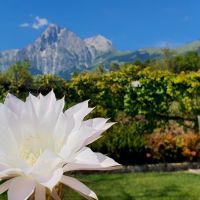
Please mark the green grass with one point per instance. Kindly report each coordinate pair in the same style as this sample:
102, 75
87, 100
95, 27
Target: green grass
140, 186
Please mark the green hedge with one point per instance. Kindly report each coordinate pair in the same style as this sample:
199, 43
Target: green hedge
124, 143
162, 96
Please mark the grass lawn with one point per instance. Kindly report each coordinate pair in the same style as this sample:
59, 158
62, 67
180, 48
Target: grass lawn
140, 186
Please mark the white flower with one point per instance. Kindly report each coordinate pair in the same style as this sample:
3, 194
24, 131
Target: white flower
39, 142
136, 84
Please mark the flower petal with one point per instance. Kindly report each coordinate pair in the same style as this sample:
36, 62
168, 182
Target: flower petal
75, 142
14, 104
42, 113
62, 129
54, 180
98, 124
7, 137
86, 159
41, 106
79, 187
10, 172
5, 186
21, 188
55, 195
47, 163
40, 192
84, 136
3, 167
48, 169
78, 112
35, 123
10, 122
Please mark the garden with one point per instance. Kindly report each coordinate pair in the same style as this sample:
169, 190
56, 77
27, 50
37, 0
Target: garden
157, 122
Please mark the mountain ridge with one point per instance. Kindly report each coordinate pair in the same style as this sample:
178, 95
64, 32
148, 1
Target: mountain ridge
60, 51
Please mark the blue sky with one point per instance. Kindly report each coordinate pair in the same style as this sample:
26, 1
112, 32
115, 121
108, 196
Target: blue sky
129, 24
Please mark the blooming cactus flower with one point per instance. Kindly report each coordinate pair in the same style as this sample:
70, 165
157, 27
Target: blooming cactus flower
39, 143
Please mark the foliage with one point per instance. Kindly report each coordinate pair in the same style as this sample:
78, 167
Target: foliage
114, 66
171, 147
106, 91
160, 97
174, 62
18, 73
159, 90
187, 62
125, 143
47, 82
151, 97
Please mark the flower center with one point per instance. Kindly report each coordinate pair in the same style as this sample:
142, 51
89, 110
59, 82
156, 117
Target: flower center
31, 148
29, 156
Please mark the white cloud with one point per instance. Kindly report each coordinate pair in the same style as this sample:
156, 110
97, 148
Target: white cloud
37, 22
24, 25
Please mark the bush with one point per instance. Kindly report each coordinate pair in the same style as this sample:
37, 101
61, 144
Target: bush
171, 147
124, 143
160, 97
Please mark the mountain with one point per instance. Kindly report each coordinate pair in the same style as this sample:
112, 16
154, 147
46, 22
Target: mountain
192, 46
98, 46
57, 50
60, 51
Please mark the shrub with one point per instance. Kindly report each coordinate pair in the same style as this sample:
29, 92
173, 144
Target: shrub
172, 147
124, 142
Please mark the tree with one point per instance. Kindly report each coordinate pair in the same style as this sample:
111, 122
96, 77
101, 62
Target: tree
19, 73
114, 66
168, 55
187, 62
100, 69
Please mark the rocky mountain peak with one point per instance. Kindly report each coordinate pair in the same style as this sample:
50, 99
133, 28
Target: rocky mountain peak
49, 36
98, 46
59, 51
100, 43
